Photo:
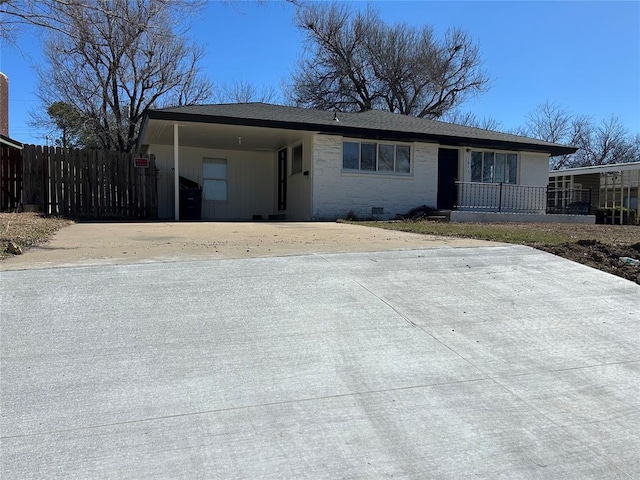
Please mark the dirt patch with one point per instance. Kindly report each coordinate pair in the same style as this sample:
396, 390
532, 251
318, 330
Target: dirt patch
121, 243
601, 256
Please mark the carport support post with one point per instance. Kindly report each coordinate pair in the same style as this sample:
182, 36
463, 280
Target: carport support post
176, 174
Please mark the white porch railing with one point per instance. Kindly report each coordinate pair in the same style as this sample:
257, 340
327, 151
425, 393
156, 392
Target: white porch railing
501, 197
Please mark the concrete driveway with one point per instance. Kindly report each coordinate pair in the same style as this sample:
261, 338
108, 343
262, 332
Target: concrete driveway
471, 362
126, 243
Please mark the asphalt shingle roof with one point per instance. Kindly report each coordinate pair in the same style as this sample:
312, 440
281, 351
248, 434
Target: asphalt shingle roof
369, 124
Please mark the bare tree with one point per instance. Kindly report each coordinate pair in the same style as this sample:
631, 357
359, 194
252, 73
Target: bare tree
356, 62
550, 122
607, 142
554, 123
598, 144
53, 15
469, 119
244, 92
636, 148
115, 66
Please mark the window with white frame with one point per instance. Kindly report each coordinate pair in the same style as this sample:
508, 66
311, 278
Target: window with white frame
494, 167
376, 157
296, 159
214, 179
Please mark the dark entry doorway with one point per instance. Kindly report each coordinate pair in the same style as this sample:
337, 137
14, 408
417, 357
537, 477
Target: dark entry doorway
447, 176
282, 179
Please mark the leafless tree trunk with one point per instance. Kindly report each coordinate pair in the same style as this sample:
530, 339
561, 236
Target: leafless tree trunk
356, 62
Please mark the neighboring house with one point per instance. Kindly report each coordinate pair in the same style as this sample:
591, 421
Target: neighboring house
10, 174
10, 155
8, 142
608, 187
261, 161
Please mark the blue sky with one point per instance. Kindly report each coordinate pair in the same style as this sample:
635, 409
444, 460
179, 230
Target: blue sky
582, 55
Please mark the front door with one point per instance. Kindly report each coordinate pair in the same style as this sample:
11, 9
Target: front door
447, 176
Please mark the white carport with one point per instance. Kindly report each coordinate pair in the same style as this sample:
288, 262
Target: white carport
253, 164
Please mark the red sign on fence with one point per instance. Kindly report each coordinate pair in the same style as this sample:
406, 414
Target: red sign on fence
141, 162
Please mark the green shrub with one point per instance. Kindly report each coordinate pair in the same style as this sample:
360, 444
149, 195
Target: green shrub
606, 215
351, 216
419, 213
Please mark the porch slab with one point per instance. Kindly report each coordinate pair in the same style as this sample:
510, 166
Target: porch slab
508, 217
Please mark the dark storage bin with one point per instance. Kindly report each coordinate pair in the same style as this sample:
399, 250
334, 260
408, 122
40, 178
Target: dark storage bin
190, 200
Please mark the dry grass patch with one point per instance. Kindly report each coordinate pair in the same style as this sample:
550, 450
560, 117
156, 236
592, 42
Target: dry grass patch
27, 229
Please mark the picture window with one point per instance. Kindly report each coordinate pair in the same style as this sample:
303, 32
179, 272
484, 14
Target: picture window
387, 158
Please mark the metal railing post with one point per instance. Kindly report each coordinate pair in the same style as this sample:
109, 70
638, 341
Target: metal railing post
546, 206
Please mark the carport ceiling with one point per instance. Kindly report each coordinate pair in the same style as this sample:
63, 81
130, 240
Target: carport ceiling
223, 137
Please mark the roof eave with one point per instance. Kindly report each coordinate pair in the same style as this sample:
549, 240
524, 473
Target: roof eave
596, 169
341, 129
10, 142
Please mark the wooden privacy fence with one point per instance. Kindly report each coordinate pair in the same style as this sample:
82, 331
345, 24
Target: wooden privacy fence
10, 178
88, 183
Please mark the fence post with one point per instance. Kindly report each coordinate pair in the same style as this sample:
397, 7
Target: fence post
33, 174
11, 178
458, 195
500, 199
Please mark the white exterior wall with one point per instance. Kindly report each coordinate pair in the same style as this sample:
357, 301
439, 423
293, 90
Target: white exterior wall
533, 171
336, 193
327, 192
299, 185
250, 182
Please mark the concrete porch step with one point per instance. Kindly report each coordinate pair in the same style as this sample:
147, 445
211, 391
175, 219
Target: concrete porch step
440, 216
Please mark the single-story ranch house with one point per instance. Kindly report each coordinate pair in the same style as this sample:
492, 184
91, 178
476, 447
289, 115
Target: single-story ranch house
261, 161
